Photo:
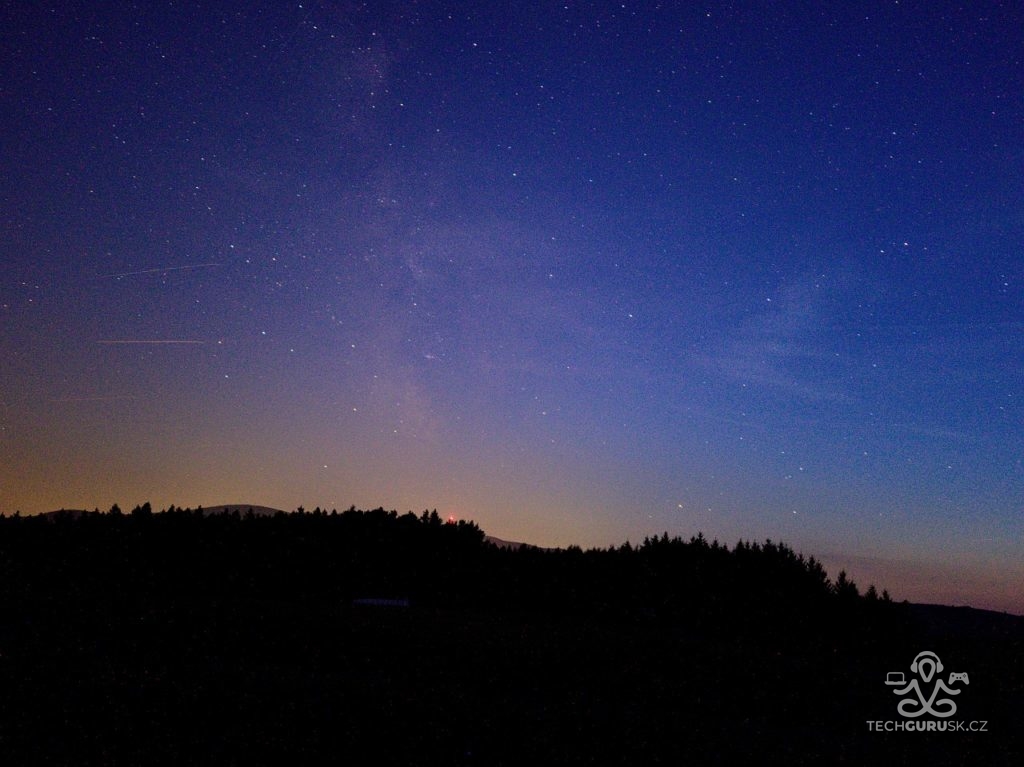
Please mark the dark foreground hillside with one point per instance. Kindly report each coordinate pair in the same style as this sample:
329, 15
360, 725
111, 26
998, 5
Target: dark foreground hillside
183, 638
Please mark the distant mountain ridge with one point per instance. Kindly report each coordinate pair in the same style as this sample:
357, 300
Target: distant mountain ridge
503, 544
259, 511
961, 621
227, 508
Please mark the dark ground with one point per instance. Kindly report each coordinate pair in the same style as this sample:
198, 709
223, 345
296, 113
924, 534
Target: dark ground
143, 675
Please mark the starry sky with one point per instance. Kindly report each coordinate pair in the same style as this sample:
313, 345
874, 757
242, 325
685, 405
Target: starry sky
581, 272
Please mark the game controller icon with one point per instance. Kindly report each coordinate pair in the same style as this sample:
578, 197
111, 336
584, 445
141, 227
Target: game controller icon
961, 677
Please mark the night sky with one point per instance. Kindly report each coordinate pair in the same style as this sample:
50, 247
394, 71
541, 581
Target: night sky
580, 272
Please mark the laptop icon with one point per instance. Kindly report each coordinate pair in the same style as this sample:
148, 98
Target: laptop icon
894, 677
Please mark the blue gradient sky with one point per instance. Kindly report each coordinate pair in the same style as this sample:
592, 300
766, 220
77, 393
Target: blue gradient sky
581, 272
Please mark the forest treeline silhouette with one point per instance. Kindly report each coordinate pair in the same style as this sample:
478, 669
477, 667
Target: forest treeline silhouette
191, 637
421, 559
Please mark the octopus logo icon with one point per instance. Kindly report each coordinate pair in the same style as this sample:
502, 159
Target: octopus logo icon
927, 666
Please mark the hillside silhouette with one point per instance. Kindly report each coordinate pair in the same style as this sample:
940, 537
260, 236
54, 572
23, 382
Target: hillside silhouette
181, 636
